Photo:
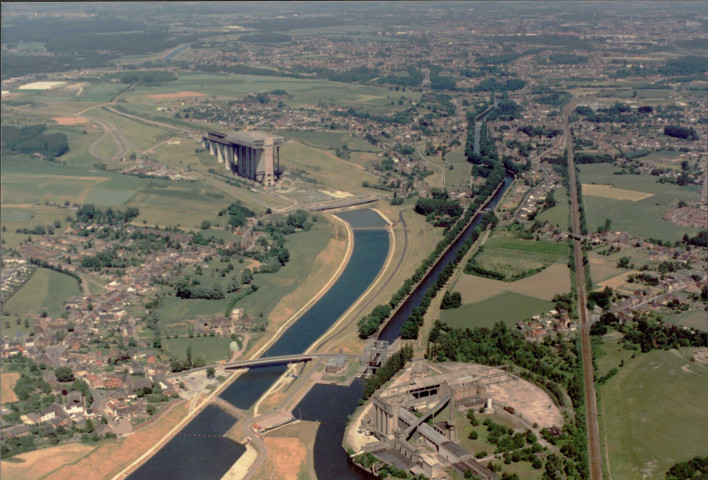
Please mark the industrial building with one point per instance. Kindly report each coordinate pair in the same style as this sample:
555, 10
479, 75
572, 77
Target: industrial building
399, 419
252, 155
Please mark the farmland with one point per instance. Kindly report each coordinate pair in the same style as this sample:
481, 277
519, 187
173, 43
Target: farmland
7, 383
212, 349
643, 431
514, 259
507, 307
557, 215
45, 291
642, 217
551, 281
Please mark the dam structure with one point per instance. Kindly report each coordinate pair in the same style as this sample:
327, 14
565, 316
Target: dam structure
252, 155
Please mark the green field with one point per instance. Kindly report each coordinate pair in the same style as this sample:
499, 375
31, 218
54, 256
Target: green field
642, 218
559, 214
508, 307
304, 248
304, 91
325, 168
652, 414
516, 259
213, 349
330, 140
45, 291
459, 176
692, 319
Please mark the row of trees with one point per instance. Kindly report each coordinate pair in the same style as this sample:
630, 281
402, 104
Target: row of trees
31, 139
88, 213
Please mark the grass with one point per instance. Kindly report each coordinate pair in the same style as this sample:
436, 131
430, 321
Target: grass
692, 319
213, 349
459, 177
304, 91
178, 311
516, 259
507, 307
642, 218
653, 414
303, 247
325, 168
559, 214
46, 290
330, 140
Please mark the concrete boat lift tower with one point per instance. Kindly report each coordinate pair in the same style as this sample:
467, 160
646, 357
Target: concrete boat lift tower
252, 155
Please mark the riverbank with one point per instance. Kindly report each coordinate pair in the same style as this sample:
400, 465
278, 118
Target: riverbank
271, 340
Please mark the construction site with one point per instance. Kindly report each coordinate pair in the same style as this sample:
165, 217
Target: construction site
412, 424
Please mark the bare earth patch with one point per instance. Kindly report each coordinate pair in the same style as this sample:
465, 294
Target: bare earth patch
70, 120
178, 95
285, 456
608, 191
618, 281
39, 463
529, 402
7, 383
554, 279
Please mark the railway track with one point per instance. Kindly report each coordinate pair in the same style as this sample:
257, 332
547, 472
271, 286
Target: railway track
593, 430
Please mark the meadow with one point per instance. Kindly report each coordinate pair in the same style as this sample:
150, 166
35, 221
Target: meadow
213, 349
515, 259
507, 307
557, 215
652, 413
329, 140
325, 168
643, 217
692, 319
304, 91
45, 291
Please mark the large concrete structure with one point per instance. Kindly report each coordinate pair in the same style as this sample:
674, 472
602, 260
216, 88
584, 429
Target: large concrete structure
407, 440
251, 155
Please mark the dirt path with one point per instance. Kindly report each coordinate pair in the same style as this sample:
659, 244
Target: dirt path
595, 453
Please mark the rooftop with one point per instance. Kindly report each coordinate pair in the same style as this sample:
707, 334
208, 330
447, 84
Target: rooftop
251, 139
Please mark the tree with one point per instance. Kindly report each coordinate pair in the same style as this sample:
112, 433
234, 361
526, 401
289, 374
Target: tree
623, 262
64, 374
210, 372
189, 355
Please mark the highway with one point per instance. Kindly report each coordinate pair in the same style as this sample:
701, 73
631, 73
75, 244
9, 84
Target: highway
594, 452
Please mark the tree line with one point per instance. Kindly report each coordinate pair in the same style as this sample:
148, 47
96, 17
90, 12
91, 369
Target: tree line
31, 139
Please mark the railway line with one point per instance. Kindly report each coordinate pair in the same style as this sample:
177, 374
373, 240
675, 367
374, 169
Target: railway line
593, 430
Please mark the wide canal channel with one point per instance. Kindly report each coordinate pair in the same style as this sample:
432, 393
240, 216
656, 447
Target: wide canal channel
199, 450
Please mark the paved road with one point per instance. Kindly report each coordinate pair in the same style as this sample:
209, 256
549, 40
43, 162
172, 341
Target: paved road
594, 451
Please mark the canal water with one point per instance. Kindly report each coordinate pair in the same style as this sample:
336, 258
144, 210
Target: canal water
211, 457
392, 330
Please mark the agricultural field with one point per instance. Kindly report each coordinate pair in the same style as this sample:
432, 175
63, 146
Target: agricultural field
458, 177
304, 91
330, 140
643, 431
325, 168
45, 291
508, 307
7, 384
603, 268
544, 285
213, 349
558, 215
642, 217
514, 259
692, 319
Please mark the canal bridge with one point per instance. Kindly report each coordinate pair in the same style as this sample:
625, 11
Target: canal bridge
269, 361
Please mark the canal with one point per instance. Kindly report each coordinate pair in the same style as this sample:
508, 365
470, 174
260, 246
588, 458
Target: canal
392, 329
199, 451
